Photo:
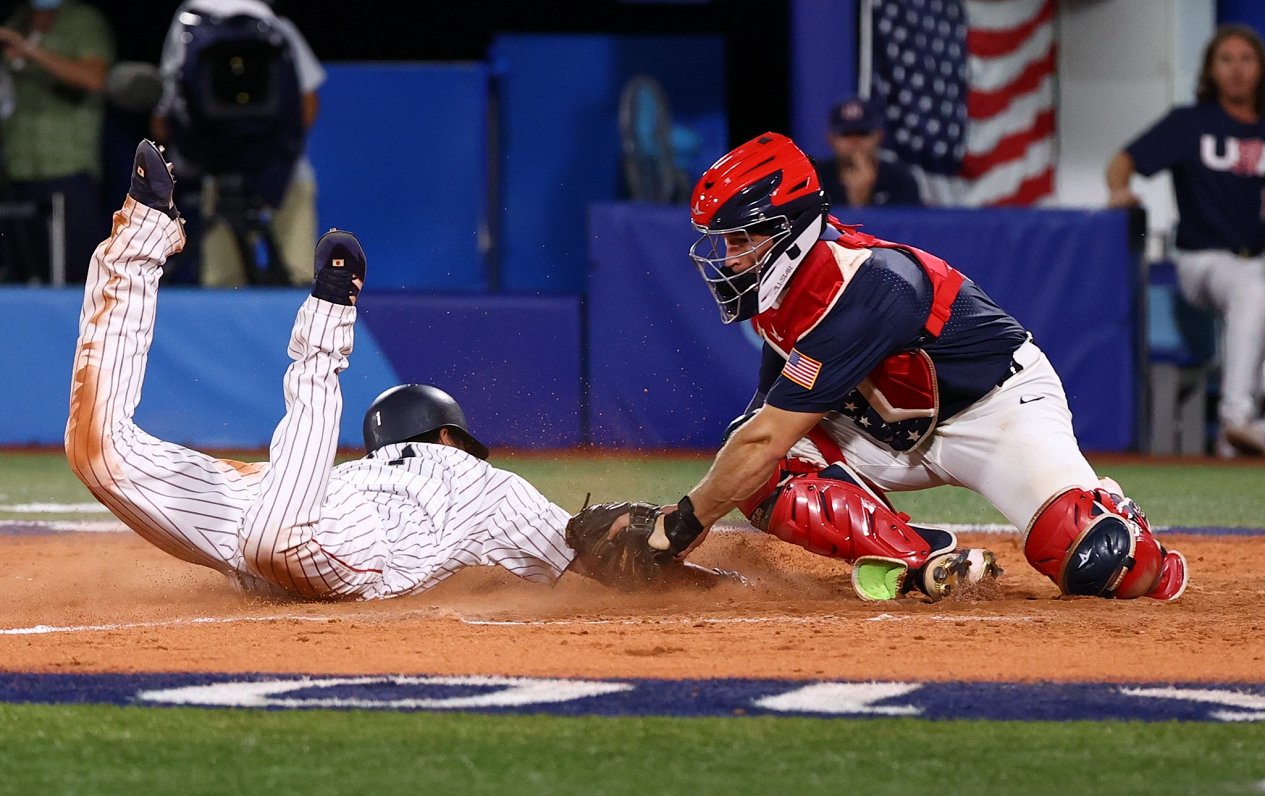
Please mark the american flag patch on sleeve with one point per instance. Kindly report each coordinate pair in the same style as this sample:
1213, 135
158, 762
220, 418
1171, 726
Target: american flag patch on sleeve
801, 369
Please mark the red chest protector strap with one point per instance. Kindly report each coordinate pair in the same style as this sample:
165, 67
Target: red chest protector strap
818, 282
946, 280
813, 290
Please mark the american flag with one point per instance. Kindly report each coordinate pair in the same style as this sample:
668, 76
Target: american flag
801, 369
969, 91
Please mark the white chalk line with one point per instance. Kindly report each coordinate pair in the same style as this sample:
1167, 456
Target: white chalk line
948, 618
65, 526
748, 620
55, 508
39, 630
987, 527
743, 620
115, 527
109, 526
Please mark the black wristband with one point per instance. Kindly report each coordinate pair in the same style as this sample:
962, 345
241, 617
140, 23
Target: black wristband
681, 526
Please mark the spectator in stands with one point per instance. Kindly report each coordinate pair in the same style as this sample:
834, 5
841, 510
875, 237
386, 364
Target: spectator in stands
58, 53
861, 173
293, 219
1215, 151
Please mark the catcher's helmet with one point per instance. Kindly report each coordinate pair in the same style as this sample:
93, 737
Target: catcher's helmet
767, 186
410, 410
767, 179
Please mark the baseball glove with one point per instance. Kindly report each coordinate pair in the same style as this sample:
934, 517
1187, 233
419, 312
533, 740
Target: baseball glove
619, 556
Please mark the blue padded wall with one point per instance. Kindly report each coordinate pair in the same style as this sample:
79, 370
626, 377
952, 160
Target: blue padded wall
664, 371
513, 363
215, 368
1067, 275
559, 137
214, 371
1246, 12
400, 152
823, 67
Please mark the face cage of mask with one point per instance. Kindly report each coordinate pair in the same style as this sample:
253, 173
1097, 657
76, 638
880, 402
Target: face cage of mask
733, 292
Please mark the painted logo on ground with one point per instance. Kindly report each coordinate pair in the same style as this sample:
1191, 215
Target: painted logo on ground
724, 697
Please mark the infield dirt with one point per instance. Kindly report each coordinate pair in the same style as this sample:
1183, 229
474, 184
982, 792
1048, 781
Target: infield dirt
110, 602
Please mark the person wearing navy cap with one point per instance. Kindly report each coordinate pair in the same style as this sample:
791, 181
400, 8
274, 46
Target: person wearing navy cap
861, 173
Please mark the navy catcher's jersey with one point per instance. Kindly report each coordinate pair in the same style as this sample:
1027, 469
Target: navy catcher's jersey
882, 312
1218, 168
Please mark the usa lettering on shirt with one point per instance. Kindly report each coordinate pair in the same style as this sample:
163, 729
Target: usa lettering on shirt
1242, 156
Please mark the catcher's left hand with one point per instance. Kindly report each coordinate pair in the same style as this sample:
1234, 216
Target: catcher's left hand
611, 544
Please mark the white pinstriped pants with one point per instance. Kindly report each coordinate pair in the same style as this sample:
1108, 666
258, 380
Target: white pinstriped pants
261, 519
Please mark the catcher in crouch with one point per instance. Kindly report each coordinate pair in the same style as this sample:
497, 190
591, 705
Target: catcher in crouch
885, 369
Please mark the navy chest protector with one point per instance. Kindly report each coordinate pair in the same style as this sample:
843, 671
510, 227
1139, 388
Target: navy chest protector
898, 403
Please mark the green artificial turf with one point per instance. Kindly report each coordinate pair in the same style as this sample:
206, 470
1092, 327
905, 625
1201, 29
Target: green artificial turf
1199, 493
111, 750
1195, 494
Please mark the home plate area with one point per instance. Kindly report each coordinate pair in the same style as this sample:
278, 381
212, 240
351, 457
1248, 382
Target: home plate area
105, 617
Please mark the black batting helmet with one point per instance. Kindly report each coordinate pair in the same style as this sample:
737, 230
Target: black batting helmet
410, 410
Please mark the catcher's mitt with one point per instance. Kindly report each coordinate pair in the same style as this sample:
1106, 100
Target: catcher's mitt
619, 556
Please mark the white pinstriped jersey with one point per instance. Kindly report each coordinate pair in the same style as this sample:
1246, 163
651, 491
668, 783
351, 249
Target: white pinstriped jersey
397, 522
441, 509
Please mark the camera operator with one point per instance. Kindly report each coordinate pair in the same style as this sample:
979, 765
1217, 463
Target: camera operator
251, 184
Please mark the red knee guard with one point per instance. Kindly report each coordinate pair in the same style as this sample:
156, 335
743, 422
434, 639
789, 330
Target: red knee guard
830, 452
1174, 576
842, 519
753, 507
1092, 543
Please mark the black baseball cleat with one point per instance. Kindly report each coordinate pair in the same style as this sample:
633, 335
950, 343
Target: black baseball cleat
339, 267
153, 180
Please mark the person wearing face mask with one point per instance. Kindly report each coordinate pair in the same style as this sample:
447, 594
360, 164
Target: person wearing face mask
58, 53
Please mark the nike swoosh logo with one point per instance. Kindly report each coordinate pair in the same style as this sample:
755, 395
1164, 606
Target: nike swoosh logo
1027, 399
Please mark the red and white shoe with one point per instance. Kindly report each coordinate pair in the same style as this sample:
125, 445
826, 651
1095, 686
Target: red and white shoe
1174, 576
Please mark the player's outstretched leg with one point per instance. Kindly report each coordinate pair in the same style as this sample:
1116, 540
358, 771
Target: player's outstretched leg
116, 327
833, 511
158, 489
279, 531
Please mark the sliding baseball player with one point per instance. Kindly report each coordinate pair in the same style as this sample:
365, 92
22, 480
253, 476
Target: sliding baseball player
421, 505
